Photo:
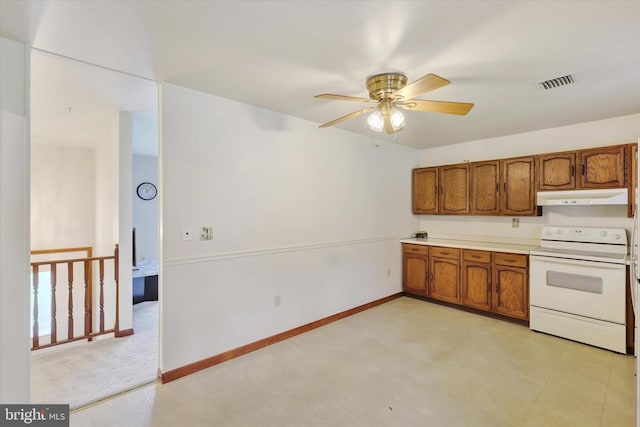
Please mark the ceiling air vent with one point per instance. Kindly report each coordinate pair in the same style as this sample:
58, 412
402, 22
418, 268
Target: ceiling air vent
557, 82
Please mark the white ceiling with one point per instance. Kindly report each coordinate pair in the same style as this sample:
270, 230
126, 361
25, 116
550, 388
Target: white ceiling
279, 54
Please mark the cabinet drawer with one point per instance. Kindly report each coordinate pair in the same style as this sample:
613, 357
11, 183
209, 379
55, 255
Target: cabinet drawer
415, 249
445, 252
476, 256
515, 260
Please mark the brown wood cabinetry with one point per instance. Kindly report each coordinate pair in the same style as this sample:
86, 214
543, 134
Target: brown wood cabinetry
633, 179
595, 168
443, 190
444, 274
476, 279
602, 168
518, 195
425, 191
485, 188
415, 269
453, 195
557, 171
508, 186
495, 282
511, 282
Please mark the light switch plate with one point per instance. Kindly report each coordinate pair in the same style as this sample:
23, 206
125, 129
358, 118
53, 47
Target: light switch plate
206, 233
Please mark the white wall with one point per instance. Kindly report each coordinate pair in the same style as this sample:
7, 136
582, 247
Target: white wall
619, 130
62, 196
15, 358
145, 212
310, 215
113, 211
124, 217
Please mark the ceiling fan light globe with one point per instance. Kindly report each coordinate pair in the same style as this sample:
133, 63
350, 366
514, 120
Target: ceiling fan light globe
397, 120
376, 121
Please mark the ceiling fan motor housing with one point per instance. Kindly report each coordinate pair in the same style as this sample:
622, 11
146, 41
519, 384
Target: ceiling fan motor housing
381, 86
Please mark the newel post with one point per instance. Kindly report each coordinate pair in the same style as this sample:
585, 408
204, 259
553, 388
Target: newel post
116, 327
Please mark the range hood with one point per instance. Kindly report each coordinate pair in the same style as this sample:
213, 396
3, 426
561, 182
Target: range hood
614, 196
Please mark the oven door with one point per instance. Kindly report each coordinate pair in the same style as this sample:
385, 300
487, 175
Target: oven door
585, 288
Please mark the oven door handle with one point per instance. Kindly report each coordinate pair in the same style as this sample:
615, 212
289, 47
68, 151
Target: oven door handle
567, 261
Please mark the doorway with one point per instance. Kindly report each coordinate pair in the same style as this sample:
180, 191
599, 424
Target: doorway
88, 125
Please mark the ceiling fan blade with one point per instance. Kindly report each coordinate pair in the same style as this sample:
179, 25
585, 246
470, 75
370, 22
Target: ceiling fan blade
459, 108
347, 117
344, 98
423, 85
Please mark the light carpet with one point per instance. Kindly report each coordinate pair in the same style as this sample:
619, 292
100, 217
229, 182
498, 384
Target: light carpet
83, 372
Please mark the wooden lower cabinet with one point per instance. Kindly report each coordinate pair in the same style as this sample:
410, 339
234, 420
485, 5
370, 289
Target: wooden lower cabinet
495, 282
476, 279
415, 269
511, 282
444, 274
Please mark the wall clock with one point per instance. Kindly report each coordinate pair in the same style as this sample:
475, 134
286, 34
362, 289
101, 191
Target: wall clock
147, 191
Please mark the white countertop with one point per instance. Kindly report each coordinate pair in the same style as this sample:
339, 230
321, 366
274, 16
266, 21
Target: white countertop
470, 244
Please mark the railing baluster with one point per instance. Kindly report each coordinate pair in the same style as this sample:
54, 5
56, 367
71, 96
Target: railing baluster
101, 295
36, 337
87, 302
89, 305
54, 321
70, 306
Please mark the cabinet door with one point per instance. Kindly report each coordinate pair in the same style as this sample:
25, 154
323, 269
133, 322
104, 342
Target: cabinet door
444, 279
485, 188
602, 168
476, 285
511, 291
557, 171
415, 264
454, 189
518, 187
425, 191
633, 178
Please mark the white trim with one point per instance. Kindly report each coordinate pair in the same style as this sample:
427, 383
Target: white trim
270, 251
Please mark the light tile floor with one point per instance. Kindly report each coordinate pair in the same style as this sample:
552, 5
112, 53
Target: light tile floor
404, 363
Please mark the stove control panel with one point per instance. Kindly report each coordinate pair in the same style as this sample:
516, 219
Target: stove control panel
617, 236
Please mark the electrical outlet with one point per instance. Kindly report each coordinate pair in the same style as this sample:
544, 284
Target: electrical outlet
186, 233
388, 272
276, 301
206, 233
515, 222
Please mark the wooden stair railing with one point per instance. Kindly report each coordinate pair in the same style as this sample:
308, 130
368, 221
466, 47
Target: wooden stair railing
87, 263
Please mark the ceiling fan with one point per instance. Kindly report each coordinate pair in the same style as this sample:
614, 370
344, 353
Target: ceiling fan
390, 91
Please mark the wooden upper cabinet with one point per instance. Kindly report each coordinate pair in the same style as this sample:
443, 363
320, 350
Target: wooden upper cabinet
518, 195
485, 191
602, 168
557, 171
454, 189
508, 186
425, 191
